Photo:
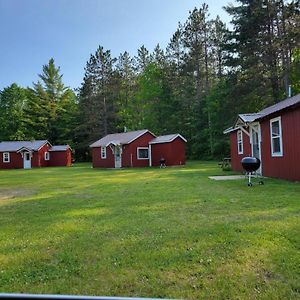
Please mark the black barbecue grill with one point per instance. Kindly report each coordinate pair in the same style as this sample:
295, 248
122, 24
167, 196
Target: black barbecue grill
251, 165
162, 162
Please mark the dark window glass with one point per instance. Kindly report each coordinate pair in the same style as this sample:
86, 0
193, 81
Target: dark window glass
143, 153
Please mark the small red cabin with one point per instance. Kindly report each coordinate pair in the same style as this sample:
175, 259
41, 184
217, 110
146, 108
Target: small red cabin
170, 147
139, 148
60, 156
273, 136
32, 154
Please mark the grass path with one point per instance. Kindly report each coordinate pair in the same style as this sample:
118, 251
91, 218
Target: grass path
148, 232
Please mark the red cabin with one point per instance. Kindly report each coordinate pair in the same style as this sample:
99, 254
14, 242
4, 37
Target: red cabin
32, 154
273, 136
137, 149
170, 148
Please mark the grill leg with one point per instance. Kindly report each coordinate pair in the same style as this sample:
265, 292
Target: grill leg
249, 179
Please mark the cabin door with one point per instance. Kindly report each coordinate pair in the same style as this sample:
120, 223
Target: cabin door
26, 160
256, 143
118, 157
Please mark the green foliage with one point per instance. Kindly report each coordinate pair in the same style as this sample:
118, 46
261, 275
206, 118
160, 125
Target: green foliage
97, 100
295, 72
51, 108
13, 99
45, 111
264, 35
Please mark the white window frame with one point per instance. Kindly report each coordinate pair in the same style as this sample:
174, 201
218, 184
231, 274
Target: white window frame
6, 157
276, 154
103, 152
239, 137
47, 155
137, 153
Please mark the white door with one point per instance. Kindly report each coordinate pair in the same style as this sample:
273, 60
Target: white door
118, 157
255, 144
27, 160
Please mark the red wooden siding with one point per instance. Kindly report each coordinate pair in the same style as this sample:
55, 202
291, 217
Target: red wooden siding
235, 157
16, 161
60, 158
98, 162
38, 159
129, 154
173, 152
57, 158
287, 166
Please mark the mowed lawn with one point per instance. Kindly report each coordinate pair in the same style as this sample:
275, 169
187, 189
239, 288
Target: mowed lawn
148, 232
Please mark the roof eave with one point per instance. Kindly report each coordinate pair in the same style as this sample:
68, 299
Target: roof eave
46, 142
142, 133
230, 129
174, 138
23, 148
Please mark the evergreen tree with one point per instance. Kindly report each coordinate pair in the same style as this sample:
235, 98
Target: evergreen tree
127, 89
13, 99
97, 97
264, 36
49, 105
143, 59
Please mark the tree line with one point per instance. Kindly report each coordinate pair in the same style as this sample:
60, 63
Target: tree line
207, 74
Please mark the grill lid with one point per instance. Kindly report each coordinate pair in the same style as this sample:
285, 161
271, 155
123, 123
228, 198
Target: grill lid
250, 164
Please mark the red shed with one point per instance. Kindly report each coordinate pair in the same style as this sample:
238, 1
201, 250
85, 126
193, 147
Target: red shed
60, 156
273, 136
26, 154
137, 149
170, 147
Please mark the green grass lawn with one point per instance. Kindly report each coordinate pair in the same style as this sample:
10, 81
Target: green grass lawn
148, 232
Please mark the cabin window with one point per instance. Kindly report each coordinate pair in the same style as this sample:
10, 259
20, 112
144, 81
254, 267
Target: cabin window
47, 156
142, 153
276, 137
103, 152
6, 157
240, 142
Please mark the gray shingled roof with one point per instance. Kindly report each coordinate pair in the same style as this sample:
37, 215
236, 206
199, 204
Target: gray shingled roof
59, 148
119, 138
167, 138
248, 118
280, 106
17, 145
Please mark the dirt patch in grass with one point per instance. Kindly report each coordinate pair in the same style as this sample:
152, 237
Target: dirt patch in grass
15, 193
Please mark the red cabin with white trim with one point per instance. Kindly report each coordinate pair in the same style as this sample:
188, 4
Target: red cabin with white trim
170, 148
273, 136
32, 154
139, 148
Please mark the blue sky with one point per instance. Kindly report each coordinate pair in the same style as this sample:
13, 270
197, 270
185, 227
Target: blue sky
33, 31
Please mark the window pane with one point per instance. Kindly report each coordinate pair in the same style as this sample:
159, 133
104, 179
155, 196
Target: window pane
239, 136
103, 152
275, 128
276, 145
143, 153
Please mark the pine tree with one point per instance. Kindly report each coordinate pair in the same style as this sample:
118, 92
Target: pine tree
127, 89
97, 97
143, 59
264, 36
46, 108
13, 99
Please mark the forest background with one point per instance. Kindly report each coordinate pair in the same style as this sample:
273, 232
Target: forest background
196, 86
